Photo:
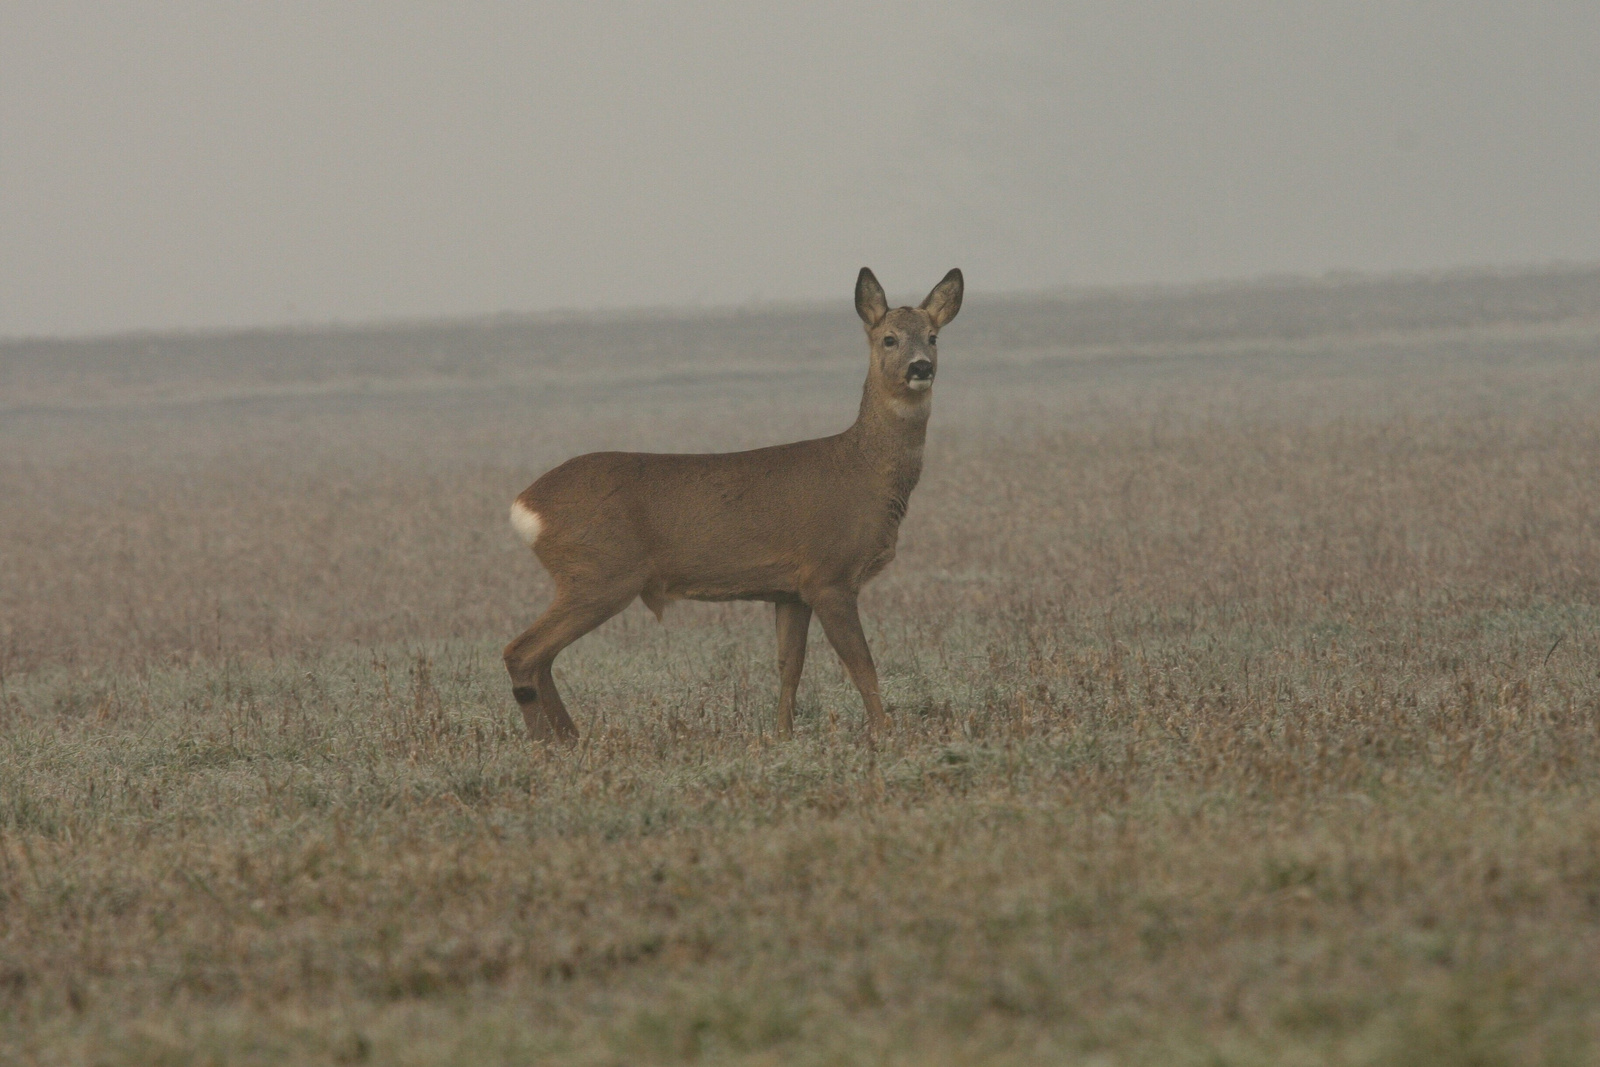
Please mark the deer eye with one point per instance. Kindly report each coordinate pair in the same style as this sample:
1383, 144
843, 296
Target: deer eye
890, 341
933, 338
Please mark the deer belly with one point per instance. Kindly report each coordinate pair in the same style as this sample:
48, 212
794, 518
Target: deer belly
732, 580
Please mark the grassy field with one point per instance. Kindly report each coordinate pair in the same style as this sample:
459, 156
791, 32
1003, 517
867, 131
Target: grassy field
1243, 648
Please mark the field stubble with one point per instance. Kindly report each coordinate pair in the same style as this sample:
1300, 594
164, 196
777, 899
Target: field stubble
1246, 701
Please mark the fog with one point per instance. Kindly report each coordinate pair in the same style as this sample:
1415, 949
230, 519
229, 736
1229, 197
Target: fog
168, 165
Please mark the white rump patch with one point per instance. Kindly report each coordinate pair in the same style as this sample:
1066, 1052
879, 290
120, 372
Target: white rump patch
527, 523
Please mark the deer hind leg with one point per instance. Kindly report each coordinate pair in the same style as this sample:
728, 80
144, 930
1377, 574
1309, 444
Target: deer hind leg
794, 620
841, 622
530, 656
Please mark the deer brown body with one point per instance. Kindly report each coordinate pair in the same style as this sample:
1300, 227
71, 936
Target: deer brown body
803, 525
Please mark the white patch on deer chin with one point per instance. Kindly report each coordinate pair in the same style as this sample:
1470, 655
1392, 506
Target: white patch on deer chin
910, 409
526, 522
920, 385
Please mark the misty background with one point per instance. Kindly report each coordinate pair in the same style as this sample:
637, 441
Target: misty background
167, 165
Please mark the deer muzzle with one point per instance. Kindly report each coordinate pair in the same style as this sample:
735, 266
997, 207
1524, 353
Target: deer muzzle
919, 375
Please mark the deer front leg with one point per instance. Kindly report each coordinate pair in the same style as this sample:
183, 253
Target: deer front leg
836, 608
794, 620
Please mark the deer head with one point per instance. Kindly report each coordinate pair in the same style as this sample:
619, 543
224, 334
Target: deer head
904, 342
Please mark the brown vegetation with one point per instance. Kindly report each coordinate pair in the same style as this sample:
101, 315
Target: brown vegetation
1246, 692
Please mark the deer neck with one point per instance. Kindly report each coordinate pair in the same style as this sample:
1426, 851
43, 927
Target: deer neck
890, 432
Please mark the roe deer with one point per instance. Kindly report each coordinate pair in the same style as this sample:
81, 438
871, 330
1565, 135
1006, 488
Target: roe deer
802, 525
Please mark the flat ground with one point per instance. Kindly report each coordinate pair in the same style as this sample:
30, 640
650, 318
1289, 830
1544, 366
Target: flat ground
1243, 646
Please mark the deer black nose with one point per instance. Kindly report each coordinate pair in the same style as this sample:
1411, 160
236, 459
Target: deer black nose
921, 370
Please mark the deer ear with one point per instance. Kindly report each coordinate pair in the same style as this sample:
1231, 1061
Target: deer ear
871, 304
945, 300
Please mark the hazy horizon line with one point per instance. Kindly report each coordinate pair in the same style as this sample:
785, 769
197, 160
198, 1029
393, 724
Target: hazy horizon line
1286, 280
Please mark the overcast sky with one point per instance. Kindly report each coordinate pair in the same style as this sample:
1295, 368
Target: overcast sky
226, 164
